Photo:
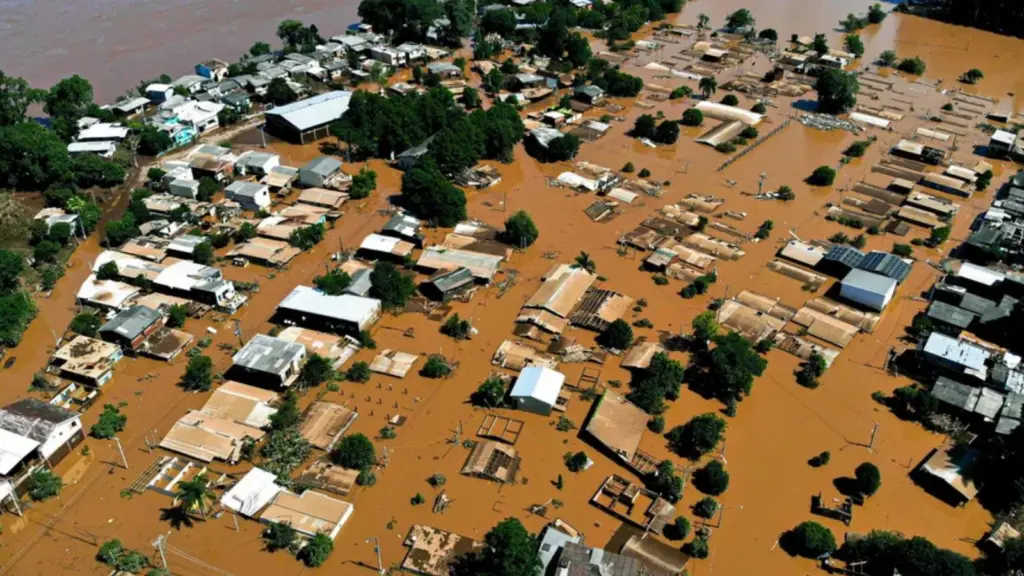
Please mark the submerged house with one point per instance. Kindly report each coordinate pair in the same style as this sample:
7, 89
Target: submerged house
33, 435
266, 360
307, 120
346, 314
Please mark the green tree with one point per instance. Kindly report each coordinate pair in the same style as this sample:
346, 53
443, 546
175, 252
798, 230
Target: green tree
837, 91
820, 44
677, 530
110, 423
698, 436
153, 141
854, 45
121, 231
510, 551
501, 22
585, 262
66, 103
703, 21
195, 494
705, 507
666, 482
520, 230
44, 484
16, 311
315, 371
730, 100
358, 372
972, 76
198, 374
876, 14
317, 550
889, 553
435, 367
355, 452
693, 117
914, 66
768, 34
811, 370
390, 286
869, 478
705, 328
644, 127
680, 92
809, 539
490, 394
502, 128
207, 188
334, 282
279, 93
711, 478
16, 97
245, 232
431, 196
259, 49
494, 81
667, 132
91, 170
822, 176
470, 98
662, 379
888, 58
578, 51
697, 548
306, 237
288, 414
456, 148
203, 253
32, 157
732, 366
177, 314
280, 536
456, 327
618, 335
739, 19
708, 86
86, 324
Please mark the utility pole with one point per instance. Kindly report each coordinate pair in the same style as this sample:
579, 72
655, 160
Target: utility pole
121, 450
874, 431
376, 548
760, 183
159, 544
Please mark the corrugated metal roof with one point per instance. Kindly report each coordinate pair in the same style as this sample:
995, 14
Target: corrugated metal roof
314, 111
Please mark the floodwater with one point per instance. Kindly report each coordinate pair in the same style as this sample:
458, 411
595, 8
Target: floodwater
777, 429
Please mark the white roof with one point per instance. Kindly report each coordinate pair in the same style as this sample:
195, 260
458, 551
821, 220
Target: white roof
314, 111
346, 307
979, 274
1004, 137
13, 449
158, 88
106, 292
540, 383
184, 275
574, 180
101, 147
198, 112
869, 119
252, 493
961, 352
379, 243
724, 112
104, 131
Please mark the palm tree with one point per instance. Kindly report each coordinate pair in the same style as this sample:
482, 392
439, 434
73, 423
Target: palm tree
194, 494
583, 261
702, 21
708, 85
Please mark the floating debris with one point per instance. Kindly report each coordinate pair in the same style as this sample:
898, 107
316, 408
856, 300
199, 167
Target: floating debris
826, 122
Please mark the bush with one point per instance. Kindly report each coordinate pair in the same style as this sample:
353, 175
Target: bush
390, 286
869, 478
759, 108
786, 193
680, 92
903, 250
822, 176
358, 372
366, 478
279, 536
86, 324
749, 133
914, 66
417, 499
656, 424
456, 327
110, 423
697, 548
972, 76
938, 236
705, 508
692, 117
520, 230
437, 480
730, 100
887, 58
644, 173
317, 550
363, 183
490, 394
809, 539
435, 367
697, 437
177, 314
666, 482
355, 452
628, 168
677, 530
820, 460
712, 478
44, 484
618, 335
198, 374
575, 462
725, 147
45, 251
643, 127
857, 149
811, 370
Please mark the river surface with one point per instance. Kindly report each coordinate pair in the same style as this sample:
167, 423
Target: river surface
117, 43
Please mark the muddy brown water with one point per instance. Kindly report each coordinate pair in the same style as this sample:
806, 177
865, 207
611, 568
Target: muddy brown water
777, 429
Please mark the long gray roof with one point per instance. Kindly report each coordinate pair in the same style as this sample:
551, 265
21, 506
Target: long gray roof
267, 354
315, 111
132, 322
33, 418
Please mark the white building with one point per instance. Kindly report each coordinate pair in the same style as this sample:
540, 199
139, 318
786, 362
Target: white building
537, 389
868, 289
269, 360
252, 493
250, 195
34, 434
311, 308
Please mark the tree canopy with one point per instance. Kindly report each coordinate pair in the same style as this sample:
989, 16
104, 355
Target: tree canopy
334, 282
355, 452
837, 91
66, 103
739, 19
510, 551
198, 374
809, 539
732, 366
888, 553
618, 335
390, 286
16, 96
661, 380
698, 436
431, 196
520, 230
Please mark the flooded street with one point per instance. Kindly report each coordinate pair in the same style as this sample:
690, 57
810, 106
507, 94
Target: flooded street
777, 429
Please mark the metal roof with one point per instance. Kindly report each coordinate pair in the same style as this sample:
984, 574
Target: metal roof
268, 354
959, 352
314, 111
452, 279
869, 282
132, 322
346, 307
885, 264
322, 166
242, 189
950, 314
845, 255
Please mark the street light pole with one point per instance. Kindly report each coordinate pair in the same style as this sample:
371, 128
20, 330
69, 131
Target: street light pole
376, 548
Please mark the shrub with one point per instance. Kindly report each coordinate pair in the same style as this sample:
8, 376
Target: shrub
820, 460
811, 370
809, 539
693, 117
628, 168
903, 250
656, 424
698, 436
46, 251
317, 550
697, 548
279, 536
437, 480
786, 193
705, 507
677, 530
725, 147
198, 374
520, 230
564, 424
435, 367
822, 176
176, 315
680, 92
490, 394
618, 335
759, 108
887, 58
644, 173
86, 324
355, 452
666, 482
947, 107
358, 372
366, 478
712, 478
111, 422
575, 462
914, 66
972, 76
869, 478
44, 484
388, 433
857, 149
417, 499
749, 132
730, 100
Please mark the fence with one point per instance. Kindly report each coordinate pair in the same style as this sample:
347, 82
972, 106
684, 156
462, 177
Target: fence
755, 144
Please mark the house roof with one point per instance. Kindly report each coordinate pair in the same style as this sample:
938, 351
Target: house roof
34, 419
551, 542
310, 512
960, 352
618, 424
207, 437
845, 254
494, 460
347, 307
87, 357
106, 292
952, 315
404, 225
268, 354
451, 279
322, 166
13, 449
254, 159
432, 551
540, 383
104, 131
132, 322
323, 423
386, 245
323, 196
483, 266
869, 281
241, 403
242, 189
954, 470
314, 111
252, 493
806, 254
885, 264
563, 287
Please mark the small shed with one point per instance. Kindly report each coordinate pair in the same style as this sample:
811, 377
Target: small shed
318, 171
537, 389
